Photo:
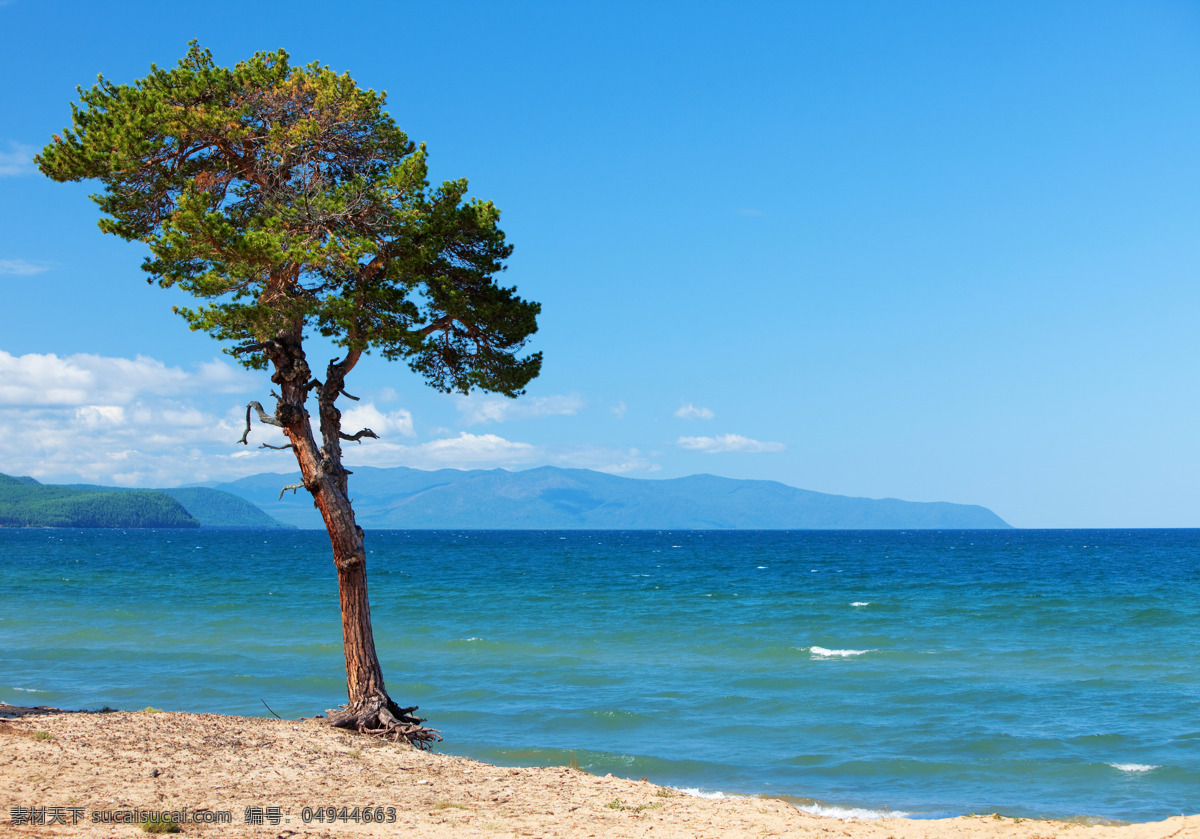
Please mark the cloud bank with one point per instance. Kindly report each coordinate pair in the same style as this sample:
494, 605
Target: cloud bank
85, 379
141, 422
465, 451
132, 422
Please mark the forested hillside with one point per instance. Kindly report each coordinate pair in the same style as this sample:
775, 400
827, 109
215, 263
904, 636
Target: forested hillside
26, 503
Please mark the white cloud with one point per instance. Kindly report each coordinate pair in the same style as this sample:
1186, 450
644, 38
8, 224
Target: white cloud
366, 415
728, 443
100, 416
690, 411
18, 160
481, 409
477, 448
619, 410
84, 379
466, 451
21, 268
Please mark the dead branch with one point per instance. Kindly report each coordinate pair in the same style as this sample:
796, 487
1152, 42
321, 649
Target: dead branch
263, 417
277, 448
292, 487
357, 438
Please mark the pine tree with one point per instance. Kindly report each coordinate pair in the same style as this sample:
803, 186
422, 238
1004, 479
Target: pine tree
287, 201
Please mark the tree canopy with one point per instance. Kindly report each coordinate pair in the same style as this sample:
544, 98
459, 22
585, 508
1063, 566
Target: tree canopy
285, 195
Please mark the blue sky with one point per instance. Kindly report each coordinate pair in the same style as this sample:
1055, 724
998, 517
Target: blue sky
931, 251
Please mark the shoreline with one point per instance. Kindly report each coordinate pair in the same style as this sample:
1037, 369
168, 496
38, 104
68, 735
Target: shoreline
256, 777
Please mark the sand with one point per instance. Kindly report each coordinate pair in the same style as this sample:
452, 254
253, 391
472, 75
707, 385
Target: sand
82, 766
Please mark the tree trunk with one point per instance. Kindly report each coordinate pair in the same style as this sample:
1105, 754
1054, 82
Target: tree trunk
369, 708
364, 677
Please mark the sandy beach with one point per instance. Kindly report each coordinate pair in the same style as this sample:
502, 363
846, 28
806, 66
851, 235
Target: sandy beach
89, 773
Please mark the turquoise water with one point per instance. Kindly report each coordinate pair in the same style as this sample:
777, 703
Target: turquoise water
1033, 673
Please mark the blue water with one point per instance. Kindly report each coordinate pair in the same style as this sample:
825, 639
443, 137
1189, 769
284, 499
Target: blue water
1031, 673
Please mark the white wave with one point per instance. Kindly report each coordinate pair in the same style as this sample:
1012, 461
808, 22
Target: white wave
31, 690
1132, 767
824, 653
851, 812
861, 603
696, 792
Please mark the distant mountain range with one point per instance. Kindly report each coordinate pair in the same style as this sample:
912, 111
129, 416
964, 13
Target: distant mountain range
549, 498
24, 502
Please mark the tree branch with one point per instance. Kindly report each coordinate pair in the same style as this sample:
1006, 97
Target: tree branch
337, 371
440, 323
357, 438
263, 417
255, 347
292, 487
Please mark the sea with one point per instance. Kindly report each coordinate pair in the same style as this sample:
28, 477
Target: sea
1030, 673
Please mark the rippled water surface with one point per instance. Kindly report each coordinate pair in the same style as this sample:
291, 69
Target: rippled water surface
1034, 673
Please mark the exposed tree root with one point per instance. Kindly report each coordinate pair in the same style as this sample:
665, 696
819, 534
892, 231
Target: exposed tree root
379, 716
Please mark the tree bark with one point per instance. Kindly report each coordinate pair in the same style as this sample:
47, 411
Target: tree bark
364, 677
